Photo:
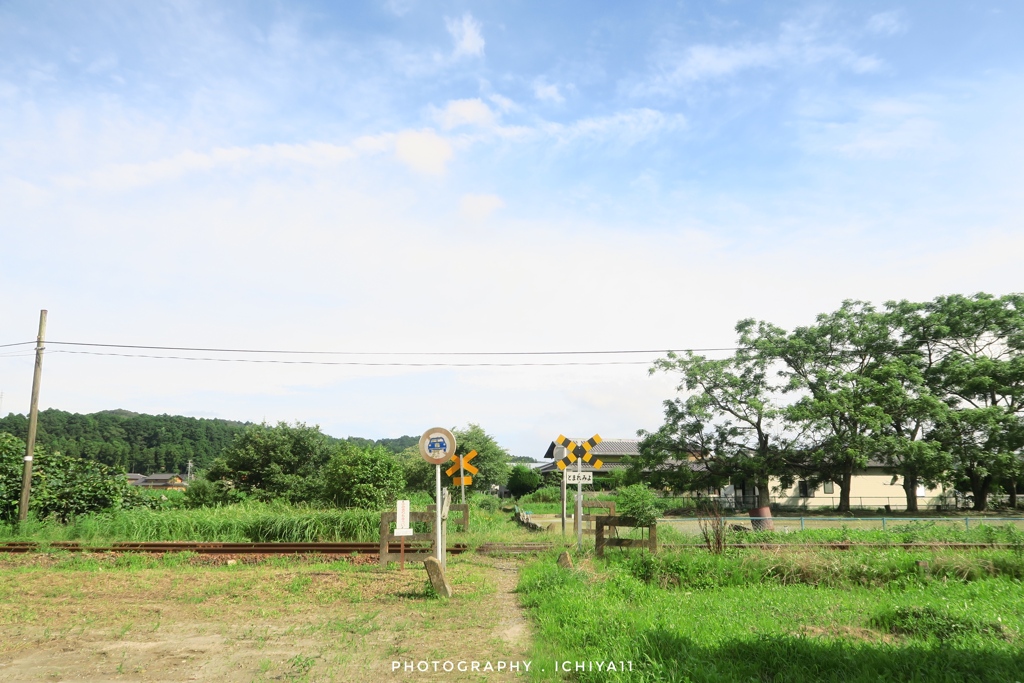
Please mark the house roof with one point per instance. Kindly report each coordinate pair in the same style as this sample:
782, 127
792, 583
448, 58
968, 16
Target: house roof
162, 477
607, 447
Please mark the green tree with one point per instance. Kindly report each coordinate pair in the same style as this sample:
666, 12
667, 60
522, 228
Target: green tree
62, 486
523, 480
369, 478
491, 459
283, 461
976, 367
728, 426
829, 368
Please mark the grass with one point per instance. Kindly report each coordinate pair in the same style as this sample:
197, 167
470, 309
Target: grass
247, 522
283, 619
751, 616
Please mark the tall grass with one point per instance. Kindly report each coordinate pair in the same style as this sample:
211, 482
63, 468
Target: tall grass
745, 628
252, 522
247, 522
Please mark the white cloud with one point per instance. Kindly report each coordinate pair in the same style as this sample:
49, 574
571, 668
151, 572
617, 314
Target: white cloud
503, 103
479, 207
887, 23
465, 112
423, 151
469, 41
883, 128
630, 126
547, 92
673, 68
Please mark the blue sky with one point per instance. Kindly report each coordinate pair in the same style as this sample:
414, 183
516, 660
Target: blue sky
407, 176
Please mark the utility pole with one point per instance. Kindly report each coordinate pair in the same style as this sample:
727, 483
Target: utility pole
33, 419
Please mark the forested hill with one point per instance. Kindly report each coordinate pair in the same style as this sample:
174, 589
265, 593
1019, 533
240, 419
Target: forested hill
131, 441
147, 444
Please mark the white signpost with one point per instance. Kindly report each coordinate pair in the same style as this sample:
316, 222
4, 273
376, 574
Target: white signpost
437, 446
402, 529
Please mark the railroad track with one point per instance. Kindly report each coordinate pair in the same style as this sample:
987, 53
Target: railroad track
212, 548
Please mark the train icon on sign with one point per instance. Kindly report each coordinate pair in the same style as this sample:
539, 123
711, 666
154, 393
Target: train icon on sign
437, 443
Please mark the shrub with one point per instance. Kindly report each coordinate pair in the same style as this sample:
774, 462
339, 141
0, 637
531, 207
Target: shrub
638, 502
363, 478
548, 494
523, 480
62, 486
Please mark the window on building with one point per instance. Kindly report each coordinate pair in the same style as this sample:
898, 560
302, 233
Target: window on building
829, 488
805, 490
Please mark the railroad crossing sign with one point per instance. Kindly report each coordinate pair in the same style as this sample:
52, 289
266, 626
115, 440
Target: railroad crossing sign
462, 463
581, 451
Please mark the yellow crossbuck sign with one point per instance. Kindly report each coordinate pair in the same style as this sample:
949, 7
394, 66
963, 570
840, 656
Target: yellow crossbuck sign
462, 462
575, 451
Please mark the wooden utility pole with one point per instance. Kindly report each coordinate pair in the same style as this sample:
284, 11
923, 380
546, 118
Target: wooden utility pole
33, 419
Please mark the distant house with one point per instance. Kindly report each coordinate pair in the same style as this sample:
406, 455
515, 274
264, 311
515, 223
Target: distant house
610, 452
173, 482
872, 487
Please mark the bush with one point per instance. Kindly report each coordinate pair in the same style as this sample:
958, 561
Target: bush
548, 494
638, 502
62, 486
203, 493
487, 503
523, 480
363, 478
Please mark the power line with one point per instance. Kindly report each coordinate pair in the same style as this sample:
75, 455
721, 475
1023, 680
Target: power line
356, 363
386, 353
4, 346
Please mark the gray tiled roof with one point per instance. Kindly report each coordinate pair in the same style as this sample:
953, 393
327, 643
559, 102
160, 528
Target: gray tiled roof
608, 447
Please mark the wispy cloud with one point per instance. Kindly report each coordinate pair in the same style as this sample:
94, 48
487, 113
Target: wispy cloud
887, 23
799, 43
424, 151
458, 113
479, 207
547, 92
466, 32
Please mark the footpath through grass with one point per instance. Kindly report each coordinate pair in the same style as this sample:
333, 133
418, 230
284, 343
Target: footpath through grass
794, 616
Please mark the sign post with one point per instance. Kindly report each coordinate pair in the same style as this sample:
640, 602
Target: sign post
463, 466
559, 454
578, 453
402, 529
437, 446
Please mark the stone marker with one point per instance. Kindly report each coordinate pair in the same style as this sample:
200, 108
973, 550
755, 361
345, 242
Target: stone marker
437, 579
564, 560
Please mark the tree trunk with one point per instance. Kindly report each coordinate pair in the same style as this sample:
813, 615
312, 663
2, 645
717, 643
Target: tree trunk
910, 488
845, 484
763, 509
1011, 488
980, 487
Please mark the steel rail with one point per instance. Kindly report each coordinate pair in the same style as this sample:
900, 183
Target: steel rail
216, 548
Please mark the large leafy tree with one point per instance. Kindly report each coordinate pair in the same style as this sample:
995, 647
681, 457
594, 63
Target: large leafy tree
975, 365
830, 367
491, 459
280, 461
727, 425
523, 480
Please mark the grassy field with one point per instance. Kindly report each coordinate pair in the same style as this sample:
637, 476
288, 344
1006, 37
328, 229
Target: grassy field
178, 618
795, 616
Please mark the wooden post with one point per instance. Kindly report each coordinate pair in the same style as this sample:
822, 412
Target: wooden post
599, 537
33, 419
401, 564
652, 538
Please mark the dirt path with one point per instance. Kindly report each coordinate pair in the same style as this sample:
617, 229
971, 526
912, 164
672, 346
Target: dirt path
259, 623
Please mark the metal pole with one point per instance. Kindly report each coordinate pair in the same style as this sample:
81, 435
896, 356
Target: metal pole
462, 478
563, 501
438, 549
33, 419
579, 506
